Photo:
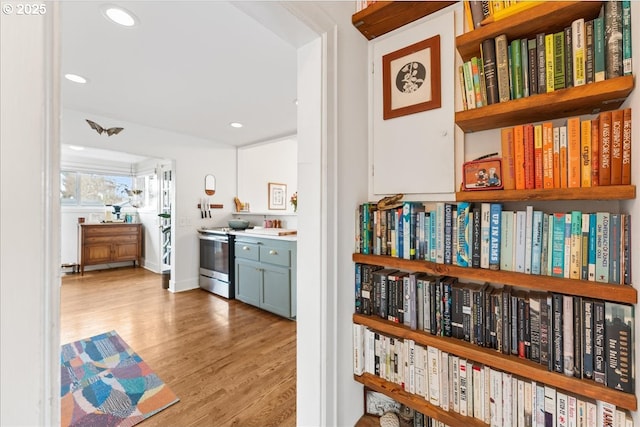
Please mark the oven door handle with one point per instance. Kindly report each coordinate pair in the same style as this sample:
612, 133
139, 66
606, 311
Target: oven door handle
214, 238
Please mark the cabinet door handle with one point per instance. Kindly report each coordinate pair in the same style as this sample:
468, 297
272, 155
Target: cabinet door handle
246, 248
272, 252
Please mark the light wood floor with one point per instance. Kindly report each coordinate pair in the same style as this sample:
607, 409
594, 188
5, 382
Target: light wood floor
229, 363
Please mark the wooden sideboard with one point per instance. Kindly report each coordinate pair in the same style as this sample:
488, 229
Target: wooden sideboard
109, 242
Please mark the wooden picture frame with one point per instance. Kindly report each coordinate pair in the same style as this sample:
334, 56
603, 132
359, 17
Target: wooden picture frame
277, 196
411, 79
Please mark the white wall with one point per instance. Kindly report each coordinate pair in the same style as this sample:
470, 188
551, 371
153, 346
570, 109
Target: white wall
29, 221
193, 159
260, 164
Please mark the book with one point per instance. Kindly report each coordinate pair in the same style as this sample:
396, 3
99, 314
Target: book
584, 267
568, 57
564, 157
550, 61
599, 72
463, 253
520, 241
533, 66
538, 164
595, 152
477, 14
589, 51
604, 149
615, 248
534, 316
573, 153
439, 233
502, 64
561, 409
528, 238
599, 368
536, 242
557, 332
602, 247
542, 62
585, 153
516, 69
567, 335
556, 157
463, 88
558, 60
587, 339
494, 233
485, 234
508, 159
477, 237
507, 234
613, 39
620, 344
616, 147
475, 73
627, 63
556, 233
605, 413
547, 155
549, 406
524, 65
578, 51
519, 157
626, 147
575, 255
490, 70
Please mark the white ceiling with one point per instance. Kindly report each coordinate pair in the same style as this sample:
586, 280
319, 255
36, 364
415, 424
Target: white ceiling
188, 66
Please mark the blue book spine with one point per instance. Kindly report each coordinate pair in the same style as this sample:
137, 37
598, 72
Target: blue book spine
557, 246
614, 249
602, 247
358, 286
406, 228
576, 245
399, 233
440, 233
592, 247
427, 237
448, 233
567, 245
627, 65
494, 233
536, 243
366, 229
432, 235
463, 252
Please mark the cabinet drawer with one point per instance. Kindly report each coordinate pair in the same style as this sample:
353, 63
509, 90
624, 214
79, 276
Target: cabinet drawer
247, 251
111, 239
111, 230
274, 255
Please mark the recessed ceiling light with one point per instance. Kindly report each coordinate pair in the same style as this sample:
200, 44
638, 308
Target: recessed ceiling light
76, 148
120, 16
235, 125
75, 78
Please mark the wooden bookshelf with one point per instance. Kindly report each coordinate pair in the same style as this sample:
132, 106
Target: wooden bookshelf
416, 402
610, 192
546, 17
382, 17
603, 291
507, 363
591, 98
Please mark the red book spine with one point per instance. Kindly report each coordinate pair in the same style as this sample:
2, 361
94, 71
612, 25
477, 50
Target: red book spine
626, 147
595, 152
605, 148
529, 157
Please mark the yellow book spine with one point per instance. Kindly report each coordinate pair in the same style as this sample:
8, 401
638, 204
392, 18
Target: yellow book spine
549, 55
585, 137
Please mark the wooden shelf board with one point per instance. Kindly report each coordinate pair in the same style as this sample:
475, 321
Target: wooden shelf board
416, 402
547, 17
591, 98
517, 366
384, 16
604, 291
611, 192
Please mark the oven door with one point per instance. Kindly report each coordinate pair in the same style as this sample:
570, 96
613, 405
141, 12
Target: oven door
214, 257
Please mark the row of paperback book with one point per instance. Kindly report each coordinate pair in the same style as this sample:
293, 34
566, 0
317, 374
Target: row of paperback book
575, 245
579, 153
583, 52
480, 12
580, 337
457, 384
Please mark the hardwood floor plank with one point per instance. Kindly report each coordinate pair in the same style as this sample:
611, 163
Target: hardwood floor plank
229, 363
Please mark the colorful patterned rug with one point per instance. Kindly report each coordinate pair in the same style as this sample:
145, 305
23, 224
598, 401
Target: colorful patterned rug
105, 383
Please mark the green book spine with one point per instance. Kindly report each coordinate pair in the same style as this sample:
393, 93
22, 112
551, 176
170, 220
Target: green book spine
568, 57
626, 38
558, 60
598, 49
516, 69
589, 49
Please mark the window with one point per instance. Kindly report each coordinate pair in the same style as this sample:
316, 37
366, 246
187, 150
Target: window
94, 189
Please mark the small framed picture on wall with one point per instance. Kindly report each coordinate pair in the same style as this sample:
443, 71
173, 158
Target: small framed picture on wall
277, 196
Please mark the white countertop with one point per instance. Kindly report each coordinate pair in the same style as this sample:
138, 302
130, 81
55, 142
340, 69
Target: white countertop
289, 237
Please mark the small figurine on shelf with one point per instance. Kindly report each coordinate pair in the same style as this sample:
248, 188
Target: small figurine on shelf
294, 201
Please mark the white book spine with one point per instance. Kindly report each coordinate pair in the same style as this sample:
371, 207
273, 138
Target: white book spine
506, 241
496, 398
528, 239
477, 392
592, 415
561, 409
463, 386
550, 404
455, 374
568, 333
412, 366
444, 380
605, 413
358, 349
486, 375
572, 411
520, 239
527, 404
521, 403
470, 385
507, 400
440, 232
434, 375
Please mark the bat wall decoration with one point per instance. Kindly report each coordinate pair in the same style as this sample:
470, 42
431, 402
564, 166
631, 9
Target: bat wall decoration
100, 129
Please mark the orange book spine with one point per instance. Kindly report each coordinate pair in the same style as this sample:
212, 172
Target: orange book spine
538, 170
626, 147
573, 152
518, 150
508, 160
529, 157
604, 174
564, 158
585, 164
595, 152
547, 154
616, 147
556, 157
